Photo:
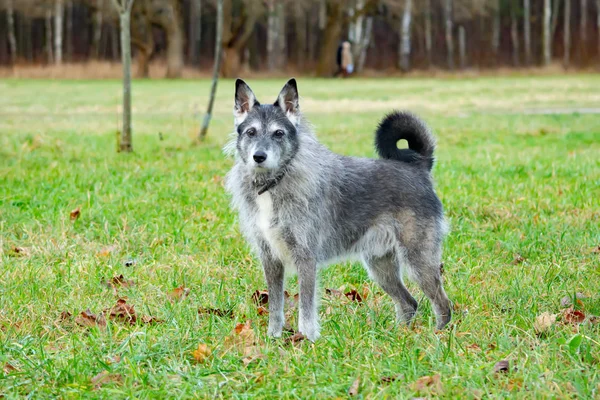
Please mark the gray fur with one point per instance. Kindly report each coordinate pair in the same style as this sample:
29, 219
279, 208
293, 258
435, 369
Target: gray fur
320, 207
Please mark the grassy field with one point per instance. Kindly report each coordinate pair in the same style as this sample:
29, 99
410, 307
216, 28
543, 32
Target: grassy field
518, 172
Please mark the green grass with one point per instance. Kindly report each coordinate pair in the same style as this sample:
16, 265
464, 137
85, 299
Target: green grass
518, 172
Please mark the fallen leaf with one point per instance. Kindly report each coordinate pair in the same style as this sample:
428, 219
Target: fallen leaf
334, 292
518, 259
475, 347
429, 383
251, 358
295, 338
87, 319
105, 377
544, 322
568, 300
353, 295
116, 281
179, 293
216, 311
65, 315
123, 312
501, 366
261, 297
106, 251
75, 214
596, 249
9, 368
572, 316
353, 390
262, 311
147, 319
20, 252
242, 337
201, 353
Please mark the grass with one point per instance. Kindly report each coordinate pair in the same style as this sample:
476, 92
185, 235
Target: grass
518, 172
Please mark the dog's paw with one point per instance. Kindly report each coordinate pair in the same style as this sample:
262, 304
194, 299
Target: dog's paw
310, 331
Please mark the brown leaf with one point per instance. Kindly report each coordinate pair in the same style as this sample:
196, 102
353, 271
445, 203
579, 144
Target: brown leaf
201, 353
544, 322
429, 383
179, 293
501, 366
261, 297
295, 338
572, 316
251, 358
147, 319
20, 252
353, 390
242, 337
9, 368
216, 311
596, 249
353, 295
87, 319
65, 315
116, 281
105, 377
262, 311
106, 251
75, 214
475, 347
122, 312
334, 292
518, 259
568, 300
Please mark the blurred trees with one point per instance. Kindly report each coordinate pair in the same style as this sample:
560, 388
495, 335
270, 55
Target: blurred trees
303, 35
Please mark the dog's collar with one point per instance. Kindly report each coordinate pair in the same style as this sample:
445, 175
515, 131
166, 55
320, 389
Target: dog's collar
271, 183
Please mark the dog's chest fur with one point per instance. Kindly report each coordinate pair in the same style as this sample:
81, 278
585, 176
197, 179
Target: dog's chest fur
270, 230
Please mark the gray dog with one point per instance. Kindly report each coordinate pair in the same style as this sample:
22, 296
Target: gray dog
302, 206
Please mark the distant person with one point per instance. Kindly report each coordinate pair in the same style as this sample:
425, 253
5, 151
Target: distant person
344, 60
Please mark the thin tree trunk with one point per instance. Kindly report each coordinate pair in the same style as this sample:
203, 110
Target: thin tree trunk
598, 24
583, 30
174, 41
567, 34
216, 69
114, 42
527, 30
546, 38
97, 28
195, 32
300, 34
10, 22
428, 38
514, 35
366, 41
49, 53
496, 31
322, 14
281, 43
58, 31
27, 38
462, 47
272, 38
404, 61
555, 8
449, 40
69, 33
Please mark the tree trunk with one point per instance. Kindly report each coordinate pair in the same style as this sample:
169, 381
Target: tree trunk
195, 32
555, 8
58, 31
97, 28
527, 30
322, 14
404, 61
331, 37
546, 39
69, 33
230, 66
174, 33
10, 22
428, 39
496, 32
567, 34
364, 46
583, 31
300, 34
272, 38
114, 42
49, 53
449, 40
514, 35
598, 24
125, 22
216, 69
462, 47
281, 36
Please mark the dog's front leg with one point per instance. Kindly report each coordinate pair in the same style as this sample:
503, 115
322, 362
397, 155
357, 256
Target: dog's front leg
307, 282
274, 275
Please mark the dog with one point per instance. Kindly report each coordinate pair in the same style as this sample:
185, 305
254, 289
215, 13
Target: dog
302, 206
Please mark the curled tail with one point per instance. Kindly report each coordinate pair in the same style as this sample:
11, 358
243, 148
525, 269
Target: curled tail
404, 125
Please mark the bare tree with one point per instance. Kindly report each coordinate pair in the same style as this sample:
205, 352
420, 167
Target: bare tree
48, 22
555, 8
428, 35
404, 62
449, 26
195, 31
583, 14
69, 31
58, 31
238, 26
124, 9
514, 34
567, 34
527, 30
546, 39
462, 46
496, 30
272, 35
10, 22
598, 23
97, 23
216, 69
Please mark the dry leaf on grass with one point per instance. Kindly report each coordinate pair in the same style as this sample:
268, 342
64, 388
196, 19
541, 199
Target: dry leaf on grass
75, 214
501, 366
241, 338
147, 319
353, 390
123, 312
474, 347
572, 316
295, 338
262, 311
596, 249
9, 368
261, 297
568, 300
88, 320
117, 281
201, 353
427, 383
544, 322
107, 251
20, 252
65, 316
179, 293
215, 311
105, 377
518, 259
353, 295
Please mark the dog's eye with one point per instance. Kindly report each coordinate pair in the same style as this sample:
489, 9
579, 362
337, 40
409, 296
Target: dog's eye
278, 133
251, 132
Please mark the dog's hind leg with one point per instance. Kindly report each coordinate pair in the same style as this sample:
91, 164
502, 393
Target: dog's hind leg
386, 272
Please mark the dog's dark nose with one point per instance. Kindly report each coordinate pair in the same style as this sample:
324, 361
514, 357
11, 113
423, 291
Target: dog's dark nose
259, 156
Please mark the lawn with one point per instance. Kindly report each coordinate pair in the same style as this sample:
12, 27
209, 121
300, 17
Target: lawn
518, 171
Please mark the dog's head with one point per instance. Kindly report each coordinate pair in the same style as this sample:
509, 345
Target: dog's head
267, 134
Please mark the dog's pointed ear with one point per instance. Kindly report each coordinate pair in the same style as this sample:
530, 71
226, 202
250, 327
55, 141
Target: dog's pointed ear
245, 100
288, 98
